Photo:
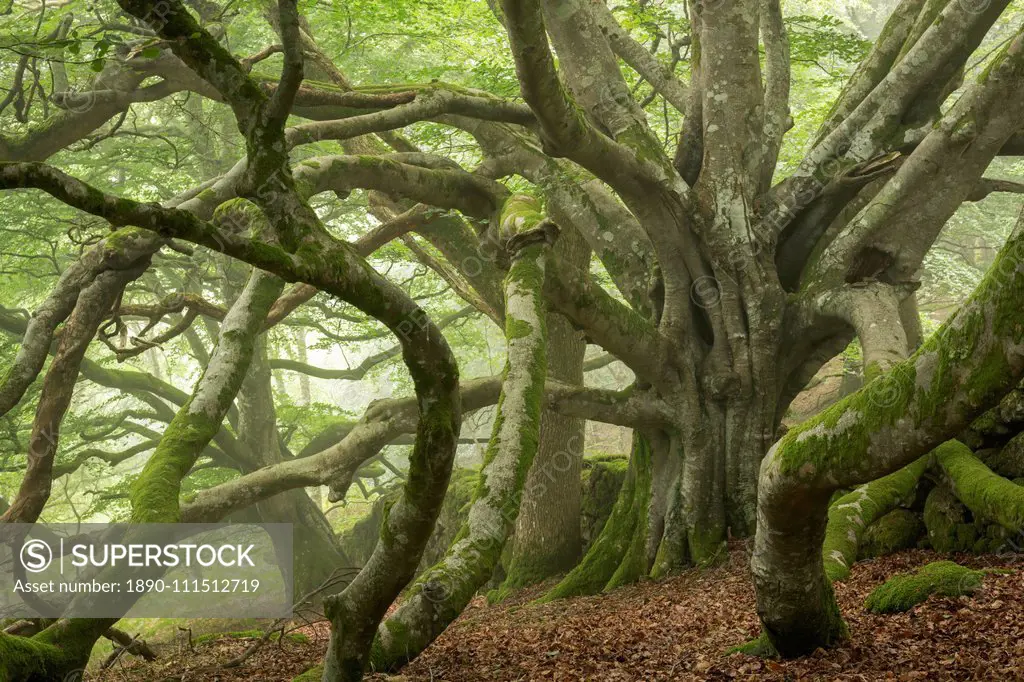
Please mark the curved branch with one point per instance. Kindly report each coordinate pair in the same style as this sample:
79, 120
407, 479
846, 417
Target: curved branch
469, 193
363, 368
429, 102
155, 494
890, 237
92, 307
661, 78
471, 559
120, 251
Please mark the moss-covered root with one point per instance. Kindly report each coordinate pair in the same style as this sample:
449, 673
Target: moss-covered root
617, 556
987, 494
761, 646
57, 653
25, 660
851, 514
903, 592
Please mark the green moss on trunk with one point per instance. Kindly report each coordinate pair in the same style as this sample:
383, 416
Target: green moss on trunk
599, 568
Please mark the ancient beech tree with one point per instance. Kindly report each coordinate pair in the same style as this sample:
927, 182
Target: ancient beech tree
727, 288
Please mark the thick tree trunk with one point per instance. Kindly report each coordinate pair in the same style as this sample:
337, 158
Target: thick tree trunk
547, 535
316, 554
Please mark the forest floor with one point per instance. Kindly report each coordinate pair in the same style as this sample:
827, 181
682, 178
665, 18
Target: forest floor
676, 629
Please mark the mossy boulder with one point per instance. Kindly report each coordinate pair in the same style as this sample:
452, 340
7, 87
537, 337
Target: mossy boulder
1007, 461
899, 529
950, 525
360, 540
601, 479
902, 592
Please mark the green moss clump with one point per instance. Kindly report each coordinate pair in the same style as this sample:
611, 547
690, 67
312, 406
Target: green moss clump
23, 659
122, 239
312, 675
517, 329
902, 592
899, 529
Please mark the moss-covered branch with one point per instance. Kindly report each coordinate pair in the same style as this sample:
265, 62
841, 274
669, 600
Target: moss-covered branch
987, 494
91, 307
116, 252
850, 515
155, 494
440, 593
